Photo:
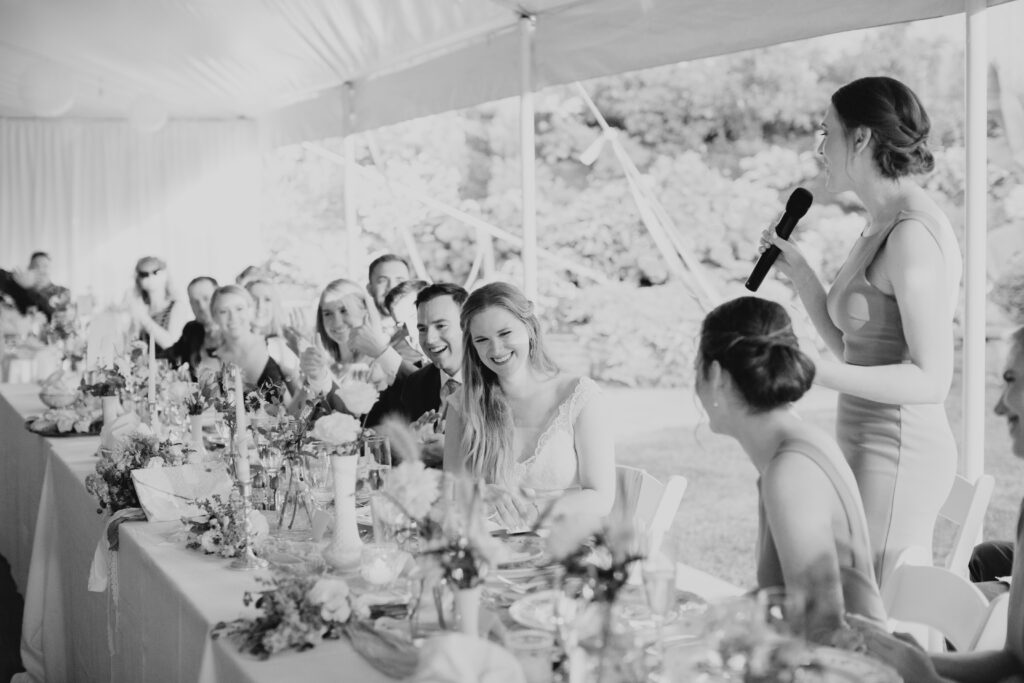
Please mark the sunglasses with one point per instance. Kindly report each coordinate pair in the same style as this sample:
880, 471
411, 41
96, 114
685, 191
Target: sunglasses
143, 274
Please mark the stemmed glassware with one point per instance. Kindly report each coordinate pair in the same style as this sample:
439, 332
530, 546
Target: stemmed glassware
374, 465
659, 578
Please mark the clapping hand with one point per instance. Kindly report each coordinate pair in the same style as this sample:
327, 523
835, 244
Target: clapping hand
368, 341
516, 512
315, 363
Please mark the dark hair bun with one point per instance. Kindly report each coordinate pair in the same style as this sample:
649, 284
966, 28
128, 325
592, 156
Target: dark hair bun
897, 119
768, 373
753, 340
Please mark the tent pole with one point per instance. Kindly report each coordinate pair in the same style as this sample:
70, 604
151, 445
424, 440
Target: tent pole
351, 215
527, 135
972, 462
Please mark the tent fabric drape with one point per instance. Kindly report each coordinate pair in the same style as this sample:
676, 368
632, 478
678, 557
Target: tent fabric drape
98, 195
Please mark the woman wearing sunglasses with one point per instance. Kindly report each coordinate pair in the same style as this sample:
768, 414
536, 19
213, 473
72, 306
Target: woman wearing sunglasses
155, 311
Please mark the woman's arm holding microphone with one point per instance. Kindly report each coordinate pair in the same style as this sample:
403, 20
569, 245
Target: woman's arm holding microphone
809, 288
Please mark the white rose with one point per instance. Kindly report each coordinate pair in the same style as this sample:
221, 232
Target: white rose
259, 525
209, 541
336, 610
336, 428
332, 596
155, 462
357, 396
414, 486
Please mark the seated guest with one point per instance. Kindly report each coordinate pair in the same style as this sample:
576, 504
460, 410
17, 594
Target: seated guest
1007, 664
269, 322
39, 270
813, 533
233, 310
384, 273
16, 287
528, 430
198, 336
154, 310
346, 325
400, 303
419, 396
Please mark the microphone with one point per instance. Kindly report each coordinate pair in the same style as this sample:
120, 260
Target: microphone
796, 207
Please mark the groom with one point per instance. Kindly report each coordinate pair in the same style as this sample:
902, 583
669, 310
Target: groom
420, 396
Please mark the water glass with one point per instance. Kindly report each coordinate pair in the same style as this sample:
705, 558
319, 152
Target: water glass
321, 477
374, 465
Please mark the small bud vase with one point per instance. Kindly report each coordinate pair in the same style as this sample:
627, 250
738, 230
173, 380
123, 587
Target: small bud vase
111, 406
346, 548
195, 424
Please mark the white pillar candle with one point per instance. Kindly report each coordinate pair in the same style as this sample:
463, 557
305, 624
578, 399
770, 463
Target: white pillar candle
239, 403
152, 371
242, 471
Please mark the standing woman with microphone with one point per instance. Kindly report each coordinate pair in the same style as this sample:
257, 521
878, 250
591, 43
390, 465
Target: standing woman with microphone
888, 317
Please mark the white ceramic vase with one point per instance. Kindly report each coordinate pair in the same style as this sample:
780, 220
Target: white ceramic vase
346, 548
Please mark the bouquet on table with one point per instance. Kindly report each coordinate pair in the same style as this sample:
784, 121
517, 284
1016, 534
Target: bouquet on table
293, 612
220, 530
112, 484
103, 382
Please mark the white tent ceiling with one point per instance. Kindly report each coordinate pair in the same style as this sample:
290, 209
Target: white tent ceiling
284, 62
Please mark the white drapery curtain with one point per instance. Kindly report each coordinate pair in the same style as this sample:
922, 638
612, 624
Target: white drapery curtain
98, 195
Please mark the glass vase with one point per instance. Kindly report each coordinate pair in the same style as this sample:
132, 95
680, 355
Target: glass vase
294, 520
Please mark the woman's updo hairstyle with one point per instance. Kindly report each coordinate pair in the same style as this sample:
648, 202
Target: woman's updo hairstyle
753, 340
898, 122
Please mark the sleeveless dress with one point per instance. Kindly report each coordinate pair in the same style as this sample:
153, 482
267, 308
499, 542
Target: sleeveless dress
853, 547
903, 456
553, 467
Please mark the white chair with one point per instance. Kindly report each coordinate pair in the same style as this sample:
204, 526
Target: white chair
965, 507
949, 603
640, 496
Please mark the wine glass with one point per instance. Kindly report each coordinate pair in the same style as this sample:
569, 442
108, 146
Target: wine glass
374, 465
659, 578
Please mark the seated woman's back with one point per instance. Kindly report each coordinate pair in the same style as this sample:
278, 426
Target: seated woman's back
808, 463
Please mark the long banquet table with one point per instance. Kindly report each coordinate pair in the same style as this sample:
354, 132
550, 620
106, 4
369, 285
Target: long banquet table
168, 598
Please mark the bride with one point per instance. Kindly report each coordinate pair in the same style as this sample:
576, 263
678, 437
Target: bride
528, 430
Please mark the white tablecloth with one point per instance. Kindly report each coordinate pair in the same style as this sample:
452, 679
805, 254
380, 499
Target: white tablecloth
168, 597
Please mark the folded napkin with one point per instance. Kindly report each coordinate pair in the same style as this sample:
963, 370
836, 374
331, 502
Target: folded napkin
459, 658
118, 429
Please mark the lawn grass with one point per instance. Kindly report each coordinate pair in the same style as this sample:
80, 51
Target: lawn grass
716, 527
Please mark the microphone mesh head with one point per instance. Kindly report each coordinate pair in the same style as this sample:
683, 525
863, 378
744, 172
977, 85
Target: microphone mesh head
799, 202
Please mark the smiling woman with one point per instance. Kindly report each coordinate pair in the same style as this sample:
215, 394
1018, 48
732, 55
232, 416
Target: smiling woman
527, 429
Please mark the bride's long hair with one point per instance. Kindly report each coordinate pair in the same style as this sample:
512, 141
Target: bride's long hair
487, 439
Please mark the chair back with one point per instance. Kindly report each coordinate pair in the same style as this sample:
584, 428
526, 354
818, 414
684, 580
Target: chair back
966, 507
939, 599
653, 505
992, 634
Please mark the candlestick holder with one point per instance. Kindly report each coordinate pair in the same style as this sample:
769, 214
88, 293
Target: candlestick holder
246, 559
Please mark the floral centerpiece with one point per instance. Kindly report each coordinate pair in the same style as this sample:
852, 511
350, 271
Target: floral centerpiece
112, 484
103, 382
220, 529
595, 556
341, 432
294, 612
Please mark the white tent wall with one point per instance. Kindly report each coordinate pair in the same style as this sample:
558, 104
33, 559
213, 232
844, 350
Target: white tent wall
97, 194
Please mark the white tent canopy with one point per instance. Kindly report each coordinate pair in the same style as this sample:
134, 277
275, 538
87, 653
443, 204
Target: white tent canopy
309, 69
287, 62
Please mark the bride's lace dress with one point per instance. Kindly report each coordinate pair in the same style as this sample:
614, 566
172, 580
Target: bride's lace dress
554, 465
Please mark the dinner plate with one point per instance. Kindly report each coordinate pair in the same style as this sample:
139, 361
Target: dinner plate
842, 666
536, 610
519, 550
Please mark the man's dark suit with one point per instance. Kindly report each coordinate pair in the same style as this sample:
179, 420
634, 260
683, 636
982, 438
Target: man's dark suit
409, 396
